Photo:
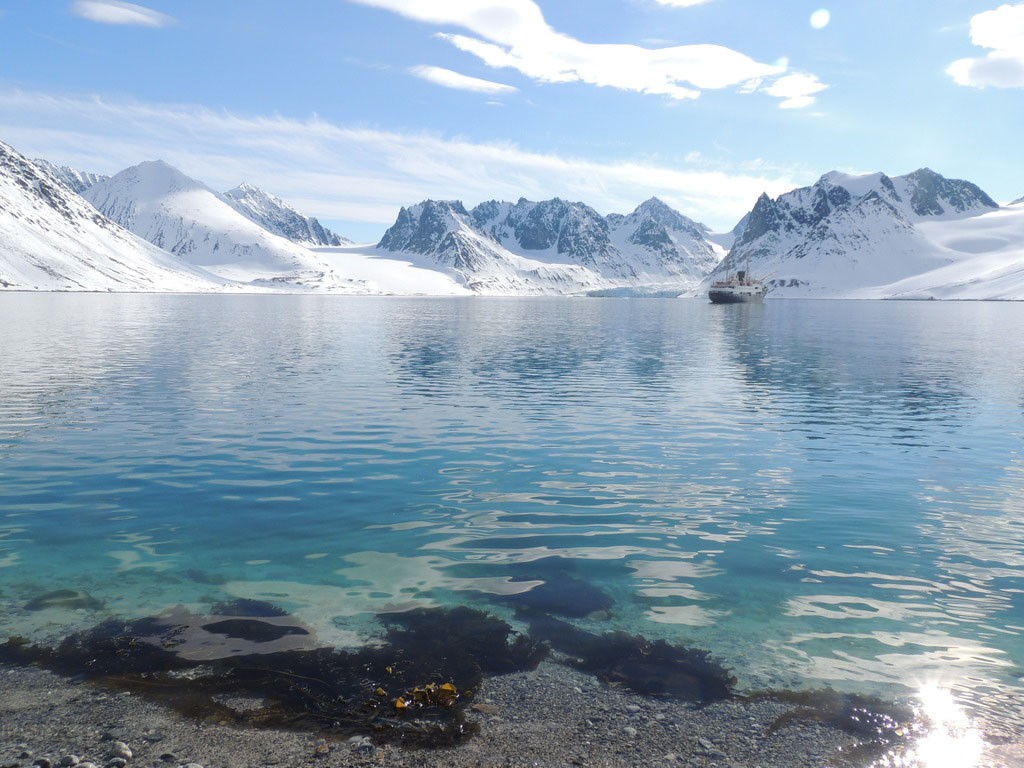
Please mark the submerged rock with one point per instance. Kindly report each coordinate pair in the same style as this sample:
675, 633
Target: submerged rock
64, 598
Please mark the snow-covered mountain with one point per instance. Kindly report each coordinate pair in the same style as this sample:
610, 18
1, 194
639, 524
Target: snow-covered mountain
187, 218
78, 181
852, 235
659, 241
53, 240
442, 235
276, 216
554, 246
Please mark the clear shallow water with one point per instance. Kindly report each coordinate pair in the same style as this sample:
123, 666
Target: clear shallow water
818, 492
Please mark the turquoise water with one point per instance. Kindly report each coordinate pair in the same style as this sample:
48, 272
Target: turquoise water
817, 492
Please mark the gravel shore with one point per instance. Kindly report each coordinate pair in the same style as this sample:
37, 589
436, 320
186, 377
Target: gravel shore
553, 716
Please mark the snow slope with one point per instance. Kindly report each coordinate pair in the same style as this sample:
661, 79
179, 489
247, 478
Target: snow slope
53, 240
553, 247
849, 236
187, 218
382, 273
276, 216
985, 257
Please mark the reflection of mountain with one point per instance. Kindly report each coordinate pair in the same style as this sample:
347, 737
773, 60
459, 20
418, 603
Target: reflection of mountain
819, 367
524, 356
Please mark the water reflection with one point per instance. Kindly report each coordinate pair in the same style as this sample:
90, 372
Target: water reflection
817, 491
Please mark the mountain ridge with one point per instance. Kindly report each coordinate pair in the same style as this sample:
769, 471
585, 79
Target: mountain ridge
52, 239
184, 216
555, 245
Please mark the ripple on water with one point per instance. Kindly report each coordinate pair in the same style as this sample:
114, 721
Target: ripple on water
777, 485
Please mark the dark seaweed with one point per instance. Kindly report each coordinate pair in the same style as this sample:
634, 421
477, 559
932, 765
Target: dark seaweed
652, 668
869, 718
326, 690
464, 631
560, 594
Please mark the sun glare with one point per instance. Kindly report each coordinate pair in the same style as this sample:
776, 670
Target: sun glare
820, 18
950, 738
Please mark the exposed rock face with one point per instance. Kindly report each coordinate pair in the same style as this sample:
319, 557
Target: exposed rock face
77, 181
276, 216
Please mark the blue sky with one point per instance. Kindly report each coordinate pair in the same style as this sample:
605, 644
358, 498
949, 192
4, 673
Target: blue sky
350, 108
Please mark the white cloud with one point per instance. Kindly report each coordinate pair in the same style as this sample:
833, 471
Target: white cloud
357, 173
116, 12
1002, 31
450, 79
796, 90
514, 34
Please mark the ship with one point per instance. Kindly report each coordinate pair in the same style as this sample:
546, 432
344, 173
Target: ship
737, 289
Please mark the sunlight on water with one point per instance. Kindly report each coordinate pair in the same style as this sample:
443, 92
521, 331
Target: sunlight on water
950, 739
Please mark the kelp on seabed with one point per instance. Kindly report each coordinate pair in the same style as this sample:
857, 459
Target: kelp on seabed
653, 668
250, 663
256, 654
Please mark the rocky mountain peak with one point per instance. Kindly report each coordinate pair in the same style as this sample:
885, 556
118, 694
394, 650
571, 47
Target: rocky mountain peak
422, 228
931, 194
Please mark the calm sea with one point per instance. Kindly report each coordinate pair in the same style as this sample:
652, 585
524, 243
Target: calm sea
817, 492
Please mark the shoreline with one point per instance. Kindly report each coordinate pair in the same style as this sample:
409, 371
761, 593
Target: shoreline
551, 716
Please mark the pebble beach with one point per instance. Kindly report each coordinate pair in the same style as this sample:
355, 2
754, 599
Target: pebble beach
552, 716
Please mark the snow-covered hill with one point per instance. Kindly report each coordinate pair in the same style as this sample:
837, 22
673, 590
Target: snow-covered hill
985, 256
53, 240
276, 216
78, 181
554, 246
187, 218
849, 236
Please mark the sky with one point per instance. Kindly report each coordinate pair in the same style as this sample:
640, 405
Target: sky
349, 109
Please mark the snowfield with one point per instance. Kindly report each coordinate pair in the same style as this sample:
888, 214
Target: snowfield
382, 273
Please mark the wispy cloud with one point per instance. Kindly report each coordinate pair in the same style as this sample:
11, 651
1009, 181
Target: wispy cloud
1002, 31
359, 173
115, 12
682, 3
514, 34
450, 79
